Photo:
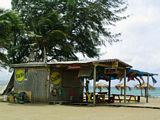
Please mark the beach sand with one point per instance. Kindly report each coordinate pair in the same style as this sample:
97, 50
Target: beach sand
9, 111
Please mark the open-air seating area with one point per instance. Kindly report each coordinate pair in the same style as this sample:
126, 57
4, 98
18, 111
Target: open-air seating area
101, 97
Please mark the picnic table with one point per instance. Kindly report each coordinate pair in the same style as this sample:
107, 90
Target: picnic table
129, 98
100, 96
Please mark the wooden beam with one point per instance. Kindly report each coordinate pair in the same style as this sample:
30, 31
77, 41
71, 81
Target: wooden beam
104, 65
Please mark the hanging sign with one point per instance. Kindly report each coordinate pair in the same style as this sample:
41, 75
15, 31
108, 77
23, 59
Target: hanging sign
115, 64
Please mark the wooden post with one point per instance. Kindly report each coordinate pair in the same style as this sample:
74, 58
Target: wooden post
121, 91
124, 85
109, 89
141, 92
49, 86
147, 89
94, 84
87, 91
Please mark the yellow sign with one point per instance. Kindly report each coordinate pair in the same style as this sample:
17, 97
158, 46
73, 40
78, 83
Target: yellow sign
20, 75
115, 64
56, 78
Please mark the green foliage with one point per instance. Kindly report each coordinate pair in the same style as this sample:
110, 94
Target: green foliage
13, 47
63, 27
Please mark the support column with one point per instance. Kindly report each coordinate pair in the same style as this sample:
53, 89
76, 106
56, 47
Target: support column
124, 85
87, 91
109, 89
147, 89
94, 85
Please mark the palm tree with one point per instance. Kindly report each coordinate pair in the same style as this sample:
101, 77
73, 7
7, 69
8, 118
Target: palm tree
49, 37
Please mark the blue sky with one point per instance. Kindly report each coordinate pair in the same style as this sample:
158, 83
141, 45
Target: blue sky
140, 34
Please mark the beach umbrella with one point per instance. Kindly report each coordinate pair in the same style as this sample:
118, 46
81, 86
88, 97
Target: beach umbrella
100, 86
121, 87
144, 86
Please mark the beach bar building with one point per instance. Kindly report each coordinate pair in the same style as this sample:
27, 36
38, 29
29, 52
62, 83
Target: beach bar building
58, 82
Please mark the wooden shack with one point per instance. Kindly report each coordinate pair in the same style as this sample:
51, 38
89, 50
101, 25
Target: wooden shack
57, 82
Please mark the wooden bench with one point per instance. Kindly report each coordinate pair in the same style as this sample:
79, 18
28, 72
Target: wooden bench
129, 98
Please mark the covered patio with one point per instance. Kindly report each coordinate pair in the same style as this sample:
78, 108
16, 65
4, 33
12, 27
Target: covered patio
106, 70
116, 70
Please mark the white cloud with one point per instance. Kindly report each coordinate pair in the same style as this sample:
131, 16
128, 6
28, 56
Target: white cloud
140, 34
5, 4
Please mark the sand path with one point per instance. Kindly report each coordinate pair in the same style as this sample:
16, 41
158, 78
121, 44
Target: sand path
60, 112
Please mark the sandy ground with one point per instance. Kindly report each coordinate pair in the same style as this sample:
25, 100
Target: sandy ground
9, 111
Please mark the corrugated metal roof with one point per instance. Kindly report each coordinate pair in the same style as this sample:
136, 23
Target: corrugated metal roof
40, 64
113, 60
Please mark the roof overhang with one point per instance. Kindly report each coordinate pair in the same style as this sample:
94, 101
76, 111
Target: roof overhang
105, 63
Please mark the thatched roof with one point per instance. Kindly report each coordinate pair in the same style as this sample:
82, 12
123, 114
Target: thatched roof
101, 85
121, 86
143, 86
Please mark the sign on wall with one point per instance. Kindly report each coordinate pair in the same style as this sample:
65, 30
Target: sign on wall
56, 78
20, 75
115, 64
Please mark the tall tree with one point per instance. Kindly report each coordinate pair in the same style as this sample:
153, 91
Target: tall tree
66, 27
62, 27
